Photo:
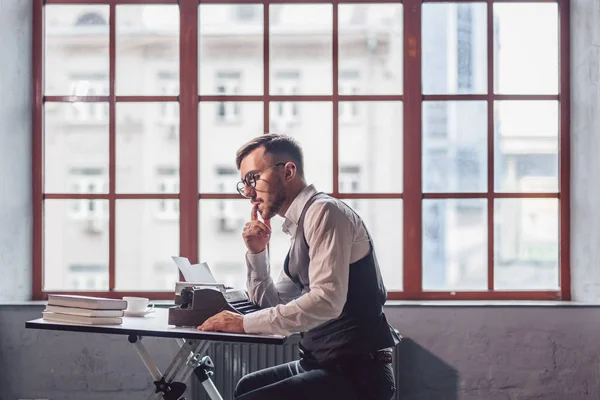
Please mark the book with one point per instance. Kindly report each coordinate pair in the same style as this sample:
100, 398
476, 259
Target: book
83, 320
88, 302
84, 312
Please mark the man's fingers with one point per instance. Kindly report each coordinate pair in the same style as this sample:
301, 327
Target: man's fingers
259, 229
268, 223
257, 224
254, 213
207, 325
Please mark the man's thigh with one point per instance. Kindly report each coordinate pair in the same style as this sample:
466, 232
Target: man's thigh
317, 384
266, 377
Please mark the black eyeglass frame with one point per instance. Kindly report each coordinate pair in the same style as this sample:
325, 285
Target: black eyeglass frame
251, 178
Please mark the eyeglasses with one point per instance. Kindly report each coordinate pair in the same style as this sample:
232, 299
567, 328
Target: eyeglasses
251, 178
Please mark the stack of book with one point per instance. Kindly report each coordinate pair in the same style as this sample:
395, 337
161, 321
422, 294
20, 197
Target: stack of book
84, 310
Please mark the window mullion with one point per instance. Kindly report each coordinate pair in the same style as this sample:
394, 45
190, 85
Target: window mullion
412, 192
112, 149
188, 125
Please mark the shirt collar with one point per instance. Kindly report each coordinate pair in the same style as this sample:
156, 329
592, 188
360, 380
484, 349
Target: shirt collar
292, 215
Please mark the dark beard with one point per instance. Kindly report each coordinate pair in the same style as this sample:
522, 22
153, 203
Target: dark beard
278, 200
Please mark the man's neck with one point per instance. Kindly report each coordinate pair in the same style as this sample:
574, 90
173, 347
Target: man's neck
292, 192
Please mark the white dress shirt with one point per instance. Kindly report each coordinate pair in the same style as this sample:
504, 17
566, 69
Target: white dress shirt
336, 238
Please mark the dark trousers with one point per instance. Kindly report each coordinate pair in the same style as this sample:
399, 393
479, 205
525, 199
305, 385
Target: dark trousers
298, 380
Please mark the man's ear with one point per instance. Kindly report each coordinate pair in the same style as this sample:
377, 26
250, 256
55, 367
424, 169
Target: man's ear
290, 171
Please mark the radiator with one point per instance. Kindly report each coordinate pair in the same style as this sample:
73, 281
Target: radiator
233, 360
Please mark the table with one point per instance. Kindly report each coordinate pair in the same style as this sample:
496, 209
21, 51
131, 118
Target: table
189, 359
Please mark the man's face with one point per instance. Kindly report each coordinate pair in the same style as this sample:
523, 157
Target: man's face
269, 191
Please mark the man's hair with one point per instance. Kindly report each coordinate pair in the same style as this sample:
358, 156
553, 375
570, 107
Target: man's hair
282, 147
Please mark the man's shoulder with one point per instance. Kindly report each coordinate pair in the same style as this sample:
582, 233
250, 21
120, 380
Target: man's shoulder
326, 206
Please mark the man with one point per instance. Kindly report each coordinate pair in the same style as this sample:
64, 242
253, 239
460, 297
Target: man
330, 290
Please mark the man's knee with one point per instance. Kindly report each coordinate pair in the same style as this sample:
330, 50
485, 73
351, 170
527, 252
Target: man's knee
244, 385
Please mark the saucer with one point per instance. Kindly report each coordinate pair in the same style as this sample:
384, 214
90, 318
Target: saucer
137, 313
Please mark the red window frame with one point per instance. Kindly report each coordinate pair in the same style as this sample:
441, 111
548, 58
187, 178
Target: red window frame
412, 97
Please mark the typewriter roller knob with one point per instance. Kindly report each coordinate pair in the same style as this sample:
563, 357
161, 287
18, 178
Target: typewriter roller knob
186, 297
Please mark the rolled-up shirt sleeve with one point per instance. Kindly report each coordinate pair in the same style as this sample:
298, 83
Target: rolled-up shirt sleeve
329, 234
262, 290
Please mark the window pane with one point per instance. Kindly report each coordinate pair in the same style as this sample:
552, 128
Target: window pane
526, 148
383, 219
526, 59
370, 147
300, 40
370, 49
455, 146
221, 242
310, 123
526, 244
76, 50
76, 245
147, 147
147, 235
455, 246
224, 128
147, 50
454, 48
230, 49
76, 147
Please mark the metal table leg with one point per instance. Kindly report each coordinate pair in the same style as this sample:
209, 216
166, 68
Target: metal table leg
188, 360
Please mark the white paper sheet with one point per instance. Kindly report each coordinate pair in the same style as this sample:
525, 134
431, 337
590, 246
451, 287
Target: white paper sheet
194, 273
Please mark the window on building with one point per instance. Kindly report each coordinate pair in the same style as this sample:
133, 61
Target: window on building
349, 84
90, 19
228, 84
169, 83
89, 84
349, 182
229, 219
286, 113
92, 212
168, 182
464, 44
88, 277
247, 12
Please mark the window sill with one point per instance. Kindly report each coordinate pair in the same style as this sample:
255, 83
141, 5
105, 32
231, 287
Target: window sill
486, 303
38, 303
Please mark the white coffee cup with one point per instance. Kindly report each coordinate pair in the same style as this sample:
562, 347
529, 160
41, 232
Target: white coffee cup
138, 304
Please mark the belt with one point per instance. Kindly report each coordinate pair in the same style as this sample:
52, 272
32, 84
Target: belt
384, 355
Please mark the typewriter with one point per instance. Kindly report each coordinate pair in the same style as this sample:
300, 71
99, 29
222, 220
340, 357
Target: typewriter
196, 302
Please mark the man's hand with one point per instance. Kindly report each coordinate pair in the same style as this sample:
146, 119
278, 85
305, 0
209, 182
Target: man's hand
225, 321
256, 234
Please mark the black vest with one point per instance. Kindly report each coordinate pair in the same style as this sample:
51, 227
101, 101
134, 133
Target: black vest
362, 327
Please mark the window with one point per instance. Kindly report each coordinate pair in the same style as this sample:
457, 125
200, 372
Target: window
464, 39
247, 12
444, 132
286, 113
349, 182
349, 85
90, 19
168, 182
229, 220
92, 212
228, 84
88, 277
92, 84
169, 83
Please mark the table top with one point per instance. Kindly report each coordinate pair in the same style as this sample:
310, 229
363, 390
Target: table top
154, 324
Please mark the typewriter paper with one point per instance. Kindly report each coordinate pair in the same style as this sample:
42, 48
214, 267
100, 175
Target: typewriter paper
194, 273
